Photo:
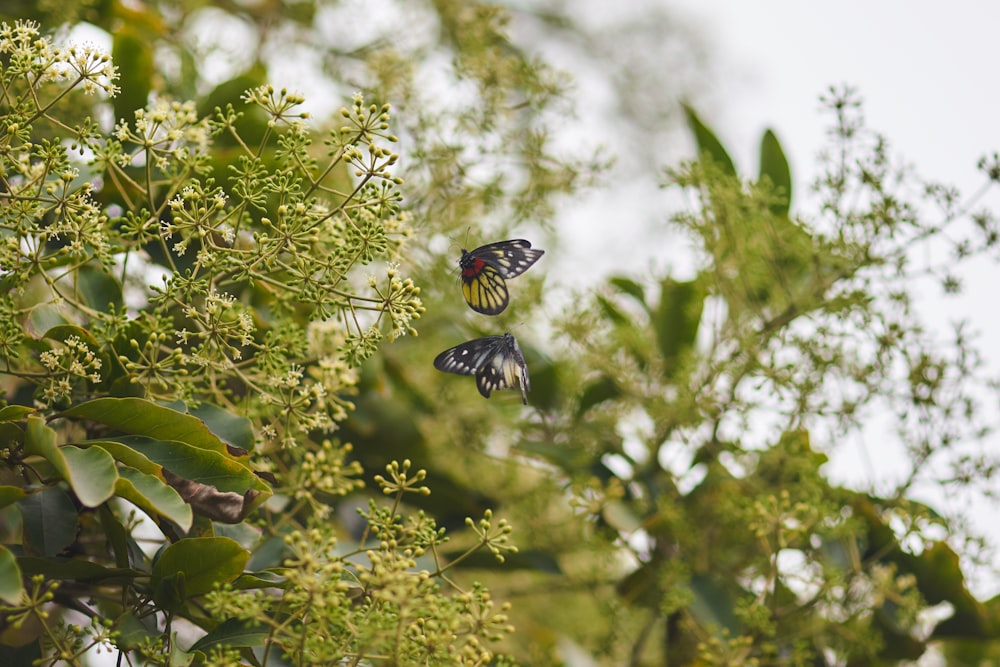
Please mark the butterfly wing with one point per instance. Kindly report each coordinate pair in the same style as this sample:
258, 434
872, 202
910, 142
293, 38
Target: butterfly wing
469, 357
504, 370
509, 258
496, 361
484, 288
485, 270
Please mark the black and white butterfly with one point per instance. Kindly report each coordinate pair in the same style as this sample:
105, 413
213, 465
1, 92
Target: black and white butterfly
486, 269
496, 361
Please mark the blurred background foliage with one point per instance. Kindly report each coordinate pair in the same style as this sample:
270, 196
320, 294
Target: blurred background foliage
666, 483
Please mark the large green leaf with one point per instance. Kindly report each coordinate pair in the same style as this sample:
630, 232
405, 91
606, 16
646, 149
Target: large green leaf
14, 413
218, 486
127, 453
230, 428
123, 545
677, 318
50, 519
205, 562
132, 51
20, 653
63, 332
940, 578
134, 631
600, 390
233, 633
556, 453
641, 587
611, 311
75, 569
631, 288
153, 496
141, 417
713, 605
97, 289
190, 462
774, 167
708, 144
11, 494
11, 587
90, 472
260, 579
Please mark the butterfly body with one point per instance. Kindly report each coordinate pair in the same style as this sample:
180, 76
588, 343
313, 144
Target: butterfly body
496, 361
486, 269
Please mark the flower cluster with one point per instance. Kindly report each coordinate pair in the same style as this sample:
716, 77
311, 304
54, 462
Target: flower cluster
202, 279
68, 366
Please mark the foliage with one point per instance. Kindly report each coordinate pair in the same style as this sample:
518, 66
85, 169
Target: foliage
197, 390
182, 330
698, 404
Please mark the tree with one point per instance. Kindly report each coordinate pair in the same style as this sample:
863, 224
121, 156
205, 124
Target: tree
206, 396
657, 522
699, 403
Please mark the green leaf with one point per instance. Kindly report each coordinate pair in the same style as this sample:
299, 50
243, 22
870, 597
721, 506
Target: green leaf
199, 476
132, 52
40, 439
641, 587
611, 311
20, 654
940, 578
260, 579
125, 549
200, 465
205, 562
545, 383
708, 143
11, 494
252, 124
126, 451
141, 417
135, 631
49, 521
603, 389
629, 287
14, 413
97, 289
558, 454
11, 587
620, 516
91, 473
968, 651
774, 167
531, 560
170, 591
154, 497
230, 428
64, 332
713, 605
233, 632
11, 434
272, 552
75, 569
676, 320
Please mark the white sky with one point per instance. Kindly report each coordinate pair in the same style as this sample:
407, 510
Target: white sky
927, 74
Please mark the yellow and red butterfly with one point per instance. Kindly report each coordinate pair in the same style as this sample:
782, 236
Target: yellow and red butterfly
486, 269
496, 361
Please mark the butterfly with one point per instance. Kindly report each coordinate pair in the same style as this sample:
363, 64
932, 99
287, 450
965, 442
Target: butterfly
496, 361
486, 269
